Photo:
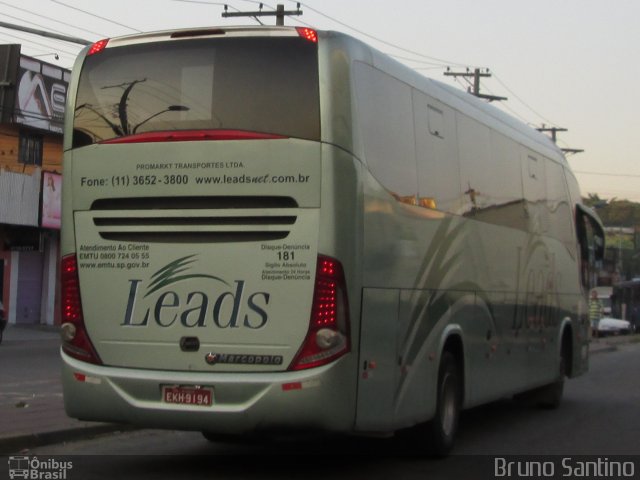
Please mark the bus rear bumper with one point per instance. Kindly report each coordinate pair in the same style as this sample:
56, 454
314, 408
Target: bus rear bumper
316, 399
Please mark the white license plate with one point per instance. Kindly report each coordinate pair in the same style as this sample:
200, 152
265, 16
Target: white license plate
187, 395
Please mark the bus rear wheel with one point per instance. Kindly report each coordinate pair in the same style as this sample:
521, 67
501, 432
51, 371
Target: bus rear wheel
550, 396
442, 428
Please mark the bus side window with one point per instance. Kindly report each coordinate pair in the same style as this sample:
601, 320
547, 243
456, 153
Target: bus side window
385, 113
591, 242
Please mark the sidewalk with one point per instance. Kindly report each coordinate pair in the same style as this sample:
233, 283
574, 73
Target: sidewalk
610, 344
32, 410
31, 405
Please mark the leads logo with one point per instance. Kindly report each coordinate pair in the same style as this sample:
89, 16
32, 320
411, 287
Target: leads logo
214, 301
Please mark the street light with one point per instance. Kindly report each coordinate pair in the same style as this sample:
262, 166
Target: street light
170, 108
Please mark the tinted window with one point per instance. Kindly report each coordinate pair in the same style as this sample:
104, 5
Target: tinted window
267, 85
560, 224
535, 192
385, 114
437, 154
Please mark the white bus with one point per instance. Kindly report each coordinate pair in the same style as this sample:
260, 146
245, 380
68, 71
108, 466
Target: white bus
282, 229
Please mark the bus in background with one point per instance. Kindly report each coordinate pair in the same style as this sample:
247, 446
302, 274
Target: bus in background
282, 229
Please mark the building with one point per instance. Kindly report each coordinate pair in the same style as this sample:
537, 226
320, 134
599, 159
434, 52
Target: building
32, 104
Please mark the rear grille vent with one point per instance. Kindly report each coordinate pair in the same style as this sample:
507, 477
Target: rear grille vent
193, 237
191, 221
181, 203
194, 219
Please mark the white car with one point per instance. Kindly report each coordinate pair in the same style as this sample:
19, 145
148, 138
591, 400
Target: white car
613, 326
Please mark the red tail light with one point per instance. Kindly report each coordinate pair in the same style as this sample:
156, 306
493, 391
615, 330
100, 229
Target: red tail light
308, 34
76, 342
97, 47
328, 335
193, 135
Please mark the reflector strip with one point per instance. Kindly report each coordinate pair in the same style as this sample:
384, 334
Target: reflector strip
81, 377
287, 387
292, 386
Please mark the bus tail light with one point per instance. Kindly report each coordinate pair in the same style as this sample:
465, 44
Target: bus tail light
75, 340
97, 47
308, 34
328, 335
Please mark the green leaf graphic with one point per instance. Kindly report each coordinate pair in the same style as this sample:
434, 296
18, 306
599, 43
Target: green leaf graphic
169, 274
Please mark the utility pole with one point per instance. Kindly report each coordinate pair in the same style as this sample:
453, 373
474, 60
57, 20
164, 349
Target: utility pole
572, 150
474, 88
554, 136
553, 130
279, 13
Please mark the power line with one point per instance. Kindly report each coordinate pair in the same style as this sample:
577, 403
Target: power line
504, 85
624, 194
389, 44
36, 43
225, 5
415, 60
207, 3
51, 19
433, 59
96, 16
30, 23
604, 174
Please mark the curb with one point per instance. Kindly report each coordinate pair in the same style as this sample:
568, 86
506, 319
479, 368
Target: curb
18, 443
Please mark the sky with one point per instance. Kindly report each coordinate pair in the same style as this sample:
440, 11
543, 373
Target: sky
565, 63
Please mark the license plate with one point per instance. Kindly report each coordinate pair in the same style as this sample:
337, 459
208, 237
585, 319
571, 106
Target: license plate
186, 395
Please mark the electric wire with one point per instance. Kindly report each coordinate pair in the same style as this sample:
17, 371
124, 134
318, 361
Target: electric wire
95, 15
389, 44
42, 45
425, 62
605, 174
522, 101
217, 3
51, 19
3, 14
430, 62
507, 107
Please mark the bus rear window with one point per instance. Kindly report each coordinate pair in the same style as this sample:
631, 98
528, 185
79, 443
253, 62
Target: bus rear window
257, 84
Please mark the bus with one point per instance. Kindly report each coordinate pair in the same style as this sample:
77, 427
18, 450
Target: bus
279, 229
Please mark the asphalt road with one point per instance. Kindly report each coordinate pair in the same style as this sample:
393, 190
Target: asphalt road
599, 417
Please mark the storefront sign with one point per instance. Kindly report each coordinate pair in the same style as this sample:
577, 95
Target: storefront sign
51, 203
41, 95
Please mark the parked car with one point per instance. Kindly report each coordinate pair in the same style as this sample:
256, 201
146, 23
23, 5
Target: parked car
3, 321
614, 326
